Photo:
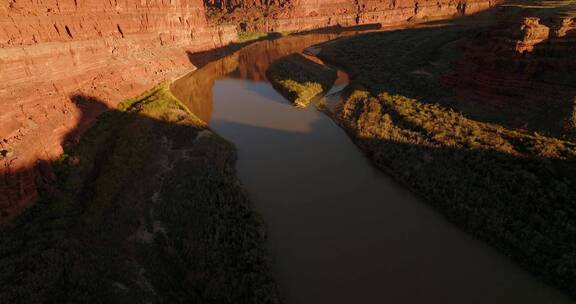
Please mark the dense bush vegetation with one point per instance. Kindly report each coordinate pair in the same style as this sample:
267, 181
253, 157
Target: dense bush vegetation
504, 186
571, 124
300, 79
511, 188
149, 210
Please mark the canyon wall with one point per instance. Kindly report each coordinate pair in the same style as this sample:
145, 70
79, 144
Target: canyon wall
522, 68
112, 50
298, 15
109, 50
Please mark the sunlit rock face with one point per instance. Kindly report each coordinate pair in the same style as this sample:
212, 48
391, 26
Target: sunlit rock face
531, 33
298, 15
562, 25
112, 50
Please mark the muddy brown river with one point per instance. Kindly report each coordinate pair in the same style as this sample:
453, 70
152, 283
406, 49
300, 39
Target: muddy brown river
340, 230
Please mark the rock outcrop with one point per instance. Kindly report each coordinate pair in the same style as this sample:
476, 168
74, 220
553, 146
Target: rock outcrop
111, 50
298, 15
523, 68
531, 33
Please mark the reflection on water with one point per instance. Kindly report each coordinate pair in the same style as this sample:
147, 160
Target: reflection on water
250, 63
341, 232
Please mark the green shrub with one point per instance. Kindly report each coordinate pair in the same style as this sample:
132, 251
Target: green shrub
300, 79
512, 188
149, 210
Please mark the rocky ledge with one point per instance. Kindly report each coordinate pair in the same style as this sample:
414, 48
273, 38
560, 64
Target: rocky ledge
295, 15
522, 68
51, 50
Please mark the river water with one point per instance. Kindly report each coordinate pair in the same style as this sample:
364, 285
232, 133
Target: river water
340, 230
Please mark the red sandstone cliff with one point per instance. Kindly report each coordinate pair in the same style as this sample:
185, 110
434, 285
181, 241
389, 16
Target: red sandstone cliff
298, 15
111, 50
522, 68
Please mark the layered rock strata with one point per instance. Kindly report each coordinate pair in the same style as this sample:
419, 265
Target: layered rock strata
50, 49
109, 50
298, 15
522, 68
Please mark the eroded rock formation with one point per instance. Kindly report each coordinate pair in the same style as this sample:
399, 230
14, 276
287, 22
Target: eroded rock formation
531, 33
297, 15
523, 68
111, 50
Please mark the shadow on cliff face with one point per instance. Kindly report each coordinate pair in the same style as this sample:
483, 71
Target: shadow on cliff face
519, 73
510, 187
476, 78
86, 104
200, 59
147, 209
20, 188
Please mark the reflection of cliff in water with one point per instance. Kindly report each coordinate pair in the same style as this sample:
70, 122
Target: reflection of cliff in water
195, 89
251, 63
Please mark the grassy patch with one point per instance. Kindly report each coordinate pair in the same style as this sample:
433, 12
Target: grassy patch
300, 79
149, 209
250, 36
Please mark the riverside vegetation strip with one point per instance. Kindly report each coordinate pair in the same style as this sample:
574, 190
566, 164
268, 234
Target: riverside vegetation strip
149, 210
300, 79
512, 188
